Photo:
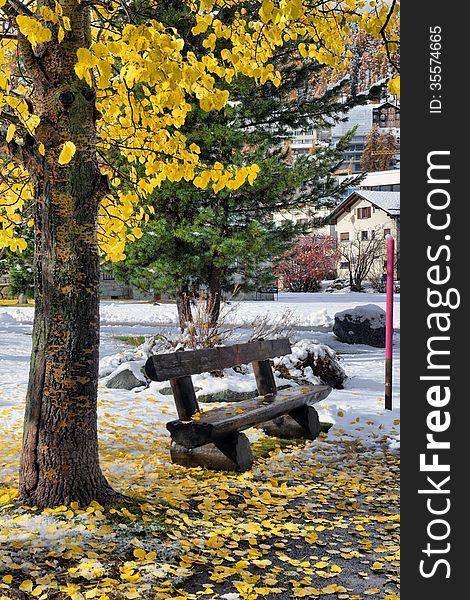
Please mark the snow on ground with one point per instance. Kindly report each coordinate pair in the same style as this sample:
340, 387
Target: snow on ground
134, 442
308, 310
356, 411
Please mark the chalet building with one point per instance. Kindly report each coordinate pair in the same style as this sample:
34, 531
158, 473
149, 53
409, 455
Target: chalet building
364, 216
386, 116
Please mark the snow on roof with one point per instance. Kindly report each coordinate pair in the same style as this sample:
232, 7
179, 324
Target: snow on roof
376, 178
388, 201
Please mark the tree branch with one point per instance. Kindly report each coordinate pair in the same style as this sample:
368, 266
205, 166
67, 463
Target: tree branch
18, 8
9, 149
9, 117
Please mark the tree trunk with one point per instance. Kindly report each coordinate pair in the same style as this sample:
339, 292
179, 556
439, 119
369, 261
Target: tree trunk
214, 296
59, 462
183, 305
351, 278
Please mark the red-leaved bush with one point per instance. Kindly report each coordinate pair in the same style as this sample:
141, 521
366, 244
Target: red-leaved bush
303, 267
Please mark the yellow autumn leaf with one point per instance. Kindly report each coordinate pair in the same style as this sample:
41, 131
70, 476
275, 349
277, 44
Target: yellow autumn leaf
34, 31
139, 553
26, 585
10, 132
67, 153
262, 564
333, 589
48, 14
336, 569
7, 579
394, 86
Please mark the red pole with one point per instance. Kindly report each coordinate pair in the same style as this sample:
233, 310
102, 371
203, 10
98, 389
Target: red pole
389, 323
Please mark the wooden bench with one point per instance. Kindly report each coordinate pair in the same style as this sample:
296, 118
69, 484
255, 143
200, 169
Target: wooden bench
213, 439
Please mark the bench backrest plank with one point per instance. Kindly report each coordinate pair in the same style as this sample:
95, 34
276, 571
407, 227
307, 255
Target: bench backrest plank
163, 367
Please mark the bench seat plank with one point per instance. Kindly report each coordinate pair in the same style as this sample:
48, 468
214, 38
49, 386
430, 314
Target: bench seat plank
221, 422
162, 367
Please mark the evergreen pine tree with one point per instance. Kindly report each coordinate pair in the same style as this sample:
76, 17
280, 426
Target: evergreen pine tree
18, 266
216, 241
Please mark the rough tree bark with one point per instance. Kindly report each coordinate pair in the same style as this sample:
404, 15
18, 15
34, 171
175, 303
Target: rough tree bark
214, 296
183, 306
59, 462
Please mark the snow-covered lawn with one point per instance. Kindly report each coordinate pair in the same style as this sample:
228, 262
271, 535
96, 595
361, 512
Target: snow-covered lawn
124, 557
308, 310
356, 410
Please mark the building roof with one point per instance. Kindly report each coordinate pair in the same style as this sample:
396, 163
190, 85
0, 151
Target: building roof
387, 201
376, 178
386, 103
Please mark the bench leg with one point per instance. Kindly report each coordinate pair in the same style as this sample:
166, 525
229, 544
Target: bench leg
302, 422
231, 454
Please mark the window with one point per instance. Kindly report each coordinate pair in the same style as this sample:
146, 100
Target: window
387, 232
344, 237
344, 265
108, 276
363, 212
364, 235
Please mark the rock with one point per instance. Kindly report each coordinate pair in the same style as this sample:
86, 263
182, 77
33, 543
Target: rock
232, 396
167, 391
336, 285
311, 362
125, 380
361, 325
228, 396
329, 371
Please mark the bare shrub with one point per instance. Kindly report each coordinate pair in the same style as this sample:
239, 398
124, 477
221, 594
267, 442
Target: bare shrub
267, 327
202, 332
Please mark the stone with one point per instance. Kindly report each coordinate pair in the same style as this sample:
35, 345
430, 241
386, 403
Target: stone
311, 358
328, 370
167, 391
228, 396
232, 396
125, 380
361, 325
